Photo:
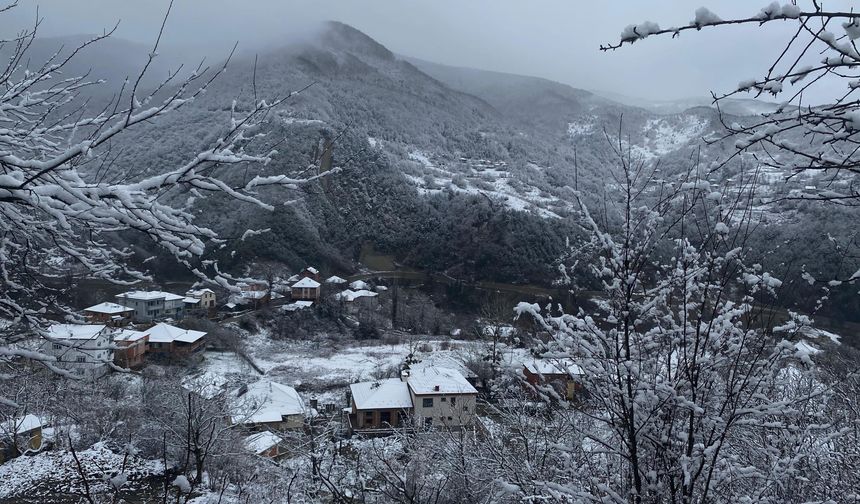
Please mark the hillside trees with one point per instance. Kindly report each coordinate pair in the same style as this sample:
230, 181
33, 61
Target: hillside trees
695, 391
62, 199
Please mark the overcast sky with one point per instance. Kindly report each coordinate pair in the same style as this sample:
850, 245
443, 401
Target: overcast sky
556, 39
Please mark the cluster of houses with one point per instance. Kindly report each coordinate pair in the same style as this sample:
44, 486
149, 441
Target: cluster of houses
134, 328
148, 306
89, 350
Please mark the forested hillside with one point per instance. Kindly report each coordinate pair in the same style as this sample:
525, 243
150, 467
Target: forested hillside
450, 169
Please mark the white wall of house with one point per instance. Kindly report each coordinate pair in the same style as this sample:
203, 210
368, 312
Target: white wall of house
444, 409
83, 357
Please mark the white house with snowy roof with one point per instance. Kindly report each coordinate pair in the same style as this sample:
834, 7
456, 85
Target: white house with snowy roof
441, 396
153, 305
199, 299
81, 349
430, 396
335, 280
265, 404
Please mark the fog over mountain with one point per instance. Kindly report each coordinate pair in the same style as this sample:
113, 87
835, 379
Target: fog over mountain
563, 37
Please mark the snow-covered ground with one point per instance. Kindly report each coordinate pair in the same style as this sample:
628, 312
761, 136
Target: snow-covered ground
325, 370
55, 472
482, 176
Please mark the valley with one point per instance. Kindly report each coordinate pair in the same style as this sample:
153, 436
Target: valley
321, 270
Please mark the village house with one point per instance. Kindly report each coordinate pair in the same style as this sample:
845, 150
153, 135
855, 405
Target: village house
335, 280
265, 444
170, 342
19, 435
359, 285
207, 385
252, 295
110, 314
441, 397
267, 405
561, 375
306, 289
357, 301
130, 348
84, 350
379, 405
312, 273
430, 396
153, 305
200, 302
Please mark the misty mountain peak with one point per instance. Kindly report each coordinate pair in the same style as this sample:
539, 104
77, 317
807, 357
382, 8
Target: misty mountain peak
343, 37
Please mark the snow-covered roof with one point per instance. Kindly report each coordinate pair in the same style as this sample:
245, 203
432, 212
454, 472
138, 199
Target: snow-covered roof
359, 285
335, 280
129, 335
75, 331
108, 308
306, 283
198, 292
262, 441
294, 278
265, 402
191, 300
166, 333
149, 295
381, 288
312, 270
297, 305
550, 367
350, 295
391, 393
207, 384
438, 380
254, 294
20, 425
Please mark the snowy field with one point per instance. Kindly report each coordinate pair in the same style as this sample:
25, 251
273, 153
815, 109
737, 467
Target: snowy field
325, 370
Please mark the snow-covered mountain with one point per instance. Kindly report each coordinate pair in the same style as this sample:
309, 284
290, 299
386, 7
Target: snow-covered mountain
445, 167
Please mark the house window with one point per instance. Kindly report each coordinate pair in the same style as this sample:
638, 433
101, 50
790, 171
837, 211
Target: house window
427, 402
368, 416
453, 401
57, 346
428, 421
385, 417
81, 358
444, 399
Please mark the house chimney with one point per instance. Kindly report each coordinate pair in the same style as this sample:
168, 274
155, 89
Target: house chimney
436, 388
404, 375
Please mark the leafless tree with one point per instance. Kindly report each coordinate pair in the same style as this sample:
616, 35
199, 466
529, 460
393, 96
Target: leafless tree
799, 136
